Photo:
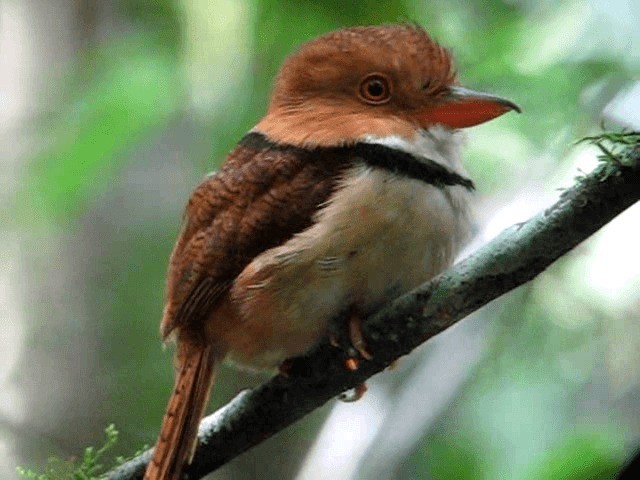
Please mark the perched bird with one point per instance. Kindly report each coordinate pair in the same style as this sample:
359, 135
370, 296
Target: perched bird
348, 193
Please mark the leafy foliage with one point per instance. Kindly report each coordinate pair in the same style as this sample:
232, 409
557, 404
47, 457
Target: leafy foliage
86, 468
613, 145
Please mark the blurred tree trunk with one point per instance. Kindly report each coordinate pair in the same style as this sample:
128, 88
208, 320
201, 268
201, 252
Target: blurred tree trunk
43, 407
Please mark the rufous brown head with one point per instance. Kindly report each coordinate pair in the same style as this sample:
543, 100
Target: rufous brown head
375, 81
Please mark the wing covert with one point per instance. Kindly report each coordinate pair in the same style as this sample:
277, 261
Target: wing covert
262, 196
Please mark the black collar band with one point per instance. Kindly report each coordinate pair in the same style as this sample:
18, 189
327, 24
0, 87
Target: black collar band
375, 155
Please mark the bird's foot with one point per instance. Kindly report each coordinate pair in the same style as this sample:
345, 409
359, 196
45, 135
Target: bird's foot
356, 338
354, 394
349, 339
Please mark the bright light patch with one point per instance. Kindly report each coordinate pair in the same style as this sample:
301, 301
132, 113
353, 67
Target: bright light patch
524, 206
345, 436
624, 109
611, 269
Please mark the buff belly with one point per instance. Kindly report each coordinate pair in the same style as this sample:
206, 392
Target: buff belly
379, 236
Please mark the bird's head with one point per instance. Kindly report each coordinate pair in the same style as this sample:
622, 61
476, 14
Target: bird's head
376, 81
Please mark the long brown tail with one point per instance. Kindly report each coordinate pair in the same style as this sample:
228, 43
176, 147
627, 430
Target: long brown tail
178, 434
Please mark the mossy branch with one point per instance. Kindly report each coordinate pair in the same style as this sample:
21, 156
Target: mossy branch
515, 257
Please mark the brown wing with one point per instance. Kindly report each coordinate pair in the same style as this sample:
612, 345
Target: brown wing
261, 197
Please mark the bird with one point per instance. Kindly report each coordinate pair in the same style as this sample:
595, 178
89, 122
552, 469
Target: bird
349, 192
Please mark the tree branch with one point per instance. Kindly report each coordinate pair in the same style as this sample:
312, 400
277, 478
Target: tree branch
513, 258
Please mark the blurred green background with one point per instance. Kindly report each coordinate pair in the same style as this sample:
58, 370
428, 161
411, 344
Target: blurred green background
110, 113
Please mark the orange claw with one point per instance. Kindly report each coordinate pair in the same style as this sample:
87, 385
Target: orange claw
351, 364
357, 340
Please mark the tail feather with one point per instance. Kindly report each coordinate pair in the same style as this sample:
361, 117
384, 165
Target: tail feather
178, 435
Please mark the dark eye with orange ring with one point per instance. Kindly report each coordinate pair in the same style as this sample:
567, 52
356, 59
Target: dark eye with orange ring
375, 89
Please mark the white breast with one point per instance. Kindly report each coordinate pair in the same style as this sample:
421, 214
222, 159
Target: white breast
380, 236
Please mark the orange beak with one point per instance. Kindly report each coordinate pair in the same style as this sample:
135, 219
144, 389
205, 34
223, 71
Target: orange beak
463, 108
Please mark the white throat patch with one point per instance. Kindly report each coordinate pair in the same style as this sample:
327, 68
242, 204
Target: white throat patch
438, 144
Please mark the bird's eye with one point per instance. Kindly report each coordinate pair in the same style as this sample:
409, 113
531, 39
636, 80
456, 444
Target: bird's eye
375, 89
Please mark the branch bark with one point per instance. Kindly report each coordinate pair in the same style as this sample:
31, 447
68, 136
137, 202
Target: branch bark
516, 256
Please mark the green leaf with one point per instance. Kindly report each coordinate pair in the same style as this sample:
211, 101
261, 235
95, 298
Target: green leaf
581, 456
